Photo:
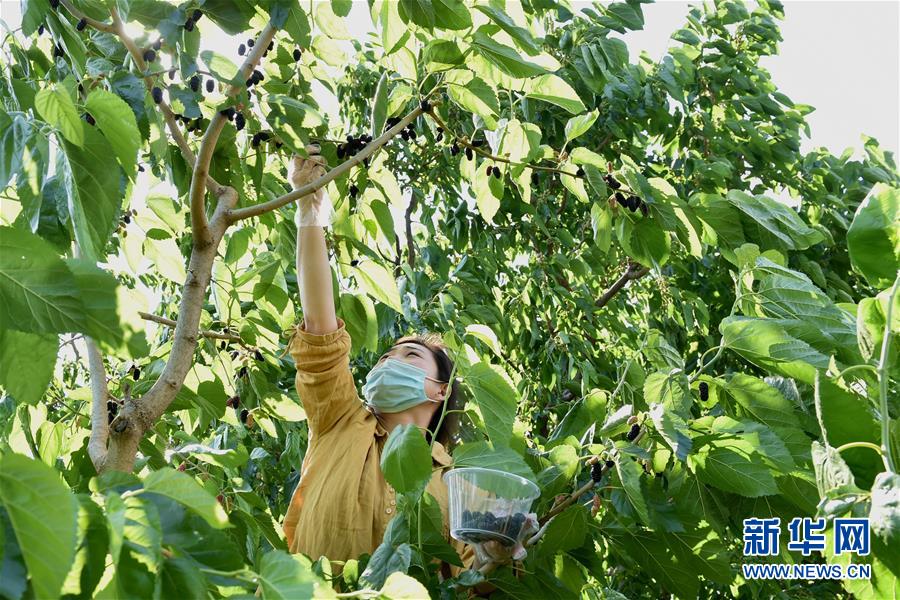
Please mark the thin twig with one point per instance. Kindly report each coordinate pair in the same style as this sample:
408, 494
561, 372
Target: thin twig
370, 148
205, 333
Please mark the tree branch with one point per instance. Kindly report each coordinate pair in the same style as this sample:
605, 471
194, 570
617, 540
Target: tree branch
200, 177
634, 271
410, 245
215, 335
99, 417
99, 25
356, 159
168, 115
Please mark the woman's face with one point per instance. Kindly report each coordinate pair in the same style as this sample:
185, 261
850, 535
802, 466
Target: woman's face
419, 356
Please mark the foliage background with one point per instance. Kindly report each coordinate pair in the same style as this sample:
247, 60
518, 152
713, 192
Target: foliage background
569, 314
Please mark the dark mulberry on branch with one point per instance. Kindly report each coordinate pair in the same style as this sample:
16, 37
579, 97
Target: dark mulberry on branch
633, 432
81, 24
704, 391
157, 95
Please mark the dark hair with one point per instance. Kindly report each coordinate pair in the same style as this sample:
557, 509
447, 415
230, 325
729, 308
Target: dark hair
449, 427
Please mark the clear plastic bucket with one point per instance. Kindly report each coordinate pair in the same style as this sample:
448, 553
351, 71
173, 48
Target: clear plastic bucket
488, 505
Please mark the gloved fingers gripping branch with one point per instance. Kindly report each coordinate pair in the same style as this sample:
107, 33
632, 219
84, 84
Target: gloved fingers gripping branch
316, 209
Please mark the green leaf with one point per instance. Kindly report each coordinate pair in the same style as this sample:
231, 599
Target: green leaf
401, 586
227, 458
292, 120
496, 398
27, 361
553, 89
729, 462
180, 577
630, 476
884, 514
117, 122
379, 107
56, 107
673, 429
766, 343
97, 289
845, 417
185, 490
358, 313
671, 389
577, 126
92, 549
772, 224
330, 24
644, 240
406, 459
566, 531
584, 414
37, 290
505, 58
221, 68
385, 560
473, 95
873, 239
419, 12
522, 36
486, 456
15, 133
93, 183
284, 576
451, 14
441, 55
44, 516
375, 280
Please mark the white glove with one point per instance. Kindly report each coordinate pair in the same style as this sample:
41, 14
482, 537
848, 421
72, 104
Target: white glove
313, 210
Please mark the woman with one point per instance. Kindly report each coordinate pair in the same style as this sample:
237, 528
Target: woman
342, 504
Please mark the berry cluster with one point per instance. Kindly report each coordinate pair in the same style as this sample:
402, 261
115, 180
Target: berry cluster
255, 77
112, 409
632, 203
409, 133
503, 529
353, 145
704, 391
493, 171
233, 402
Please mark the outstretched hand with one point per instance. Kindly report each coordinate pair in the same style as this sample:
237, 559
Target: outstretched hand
314, 209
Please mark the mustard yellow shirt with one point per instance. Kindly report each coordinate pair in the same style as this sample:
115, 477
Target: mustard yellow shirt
342, 503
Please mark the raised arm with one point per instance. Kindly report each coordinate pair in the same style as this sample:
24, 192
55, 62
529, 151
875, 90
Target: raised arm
313, 270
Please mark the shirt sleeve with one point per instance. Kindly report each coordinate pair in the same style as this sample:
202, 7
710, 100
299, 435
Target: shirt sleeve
324, 383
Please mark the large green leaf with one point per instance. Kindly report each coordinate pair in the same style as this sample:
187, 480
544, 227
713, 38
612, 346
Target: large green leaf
566, 531
38, 292
117, 122
767, 344
406, 459
451, 14
474, 95
375, 280
771, 223
44, 516
496, 398
93, 183
26, 363
730, 462
358, 312
578, 125
505, 58
520, 35
57, 108
184, 489
553, 89
420, 12
386, 559
97, 289
585, 413
284, 576
15, 132
873, 239
884, 514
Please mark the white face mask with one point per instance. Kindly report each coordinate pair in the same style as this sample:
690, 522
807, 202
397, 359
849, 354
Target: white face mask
395, 386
